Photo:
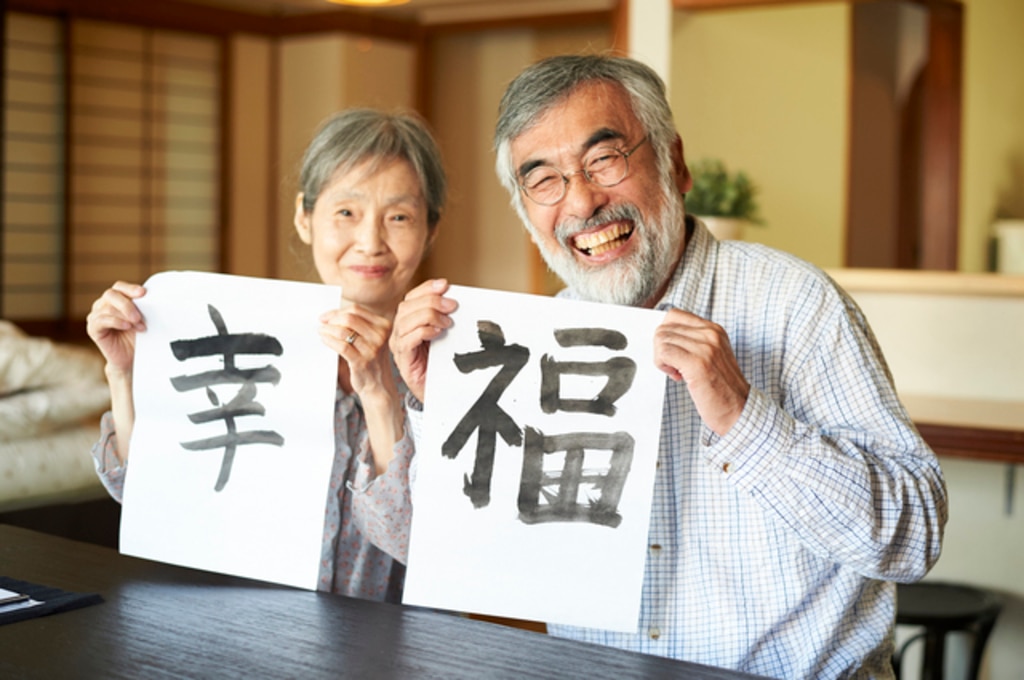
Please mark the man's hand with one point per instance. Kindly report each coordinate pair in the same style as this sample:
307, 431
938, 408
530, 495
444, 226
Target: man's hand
698, 352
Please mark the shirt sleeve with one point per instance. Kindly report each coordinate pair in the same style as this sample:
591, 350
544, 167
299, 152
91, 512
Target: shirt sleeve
381, 504
108, 466
836, 459
414, 419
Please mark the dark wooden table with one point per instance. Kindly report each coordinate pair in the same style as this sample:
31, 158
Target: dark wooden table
162, 621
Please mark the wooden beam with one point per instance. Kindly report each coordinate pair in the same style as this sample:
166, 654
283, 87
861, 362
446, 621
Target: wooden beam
423, 66
227, 112
3, 163
940, 142
726, 4
571, 20
274, 158
974, 442
342, 21
66, 207
184, 16
729, 4
167, 14
620, 27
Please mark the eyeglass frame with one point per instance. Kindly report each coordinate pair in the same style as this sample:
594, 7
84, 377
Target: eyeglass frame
586, 175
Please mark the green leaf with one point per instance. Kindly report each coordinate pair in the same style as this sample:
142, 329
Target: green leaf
716, 192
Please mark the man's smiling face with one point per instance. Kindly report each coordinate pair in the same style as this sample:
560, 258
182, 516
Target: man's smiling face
611, 244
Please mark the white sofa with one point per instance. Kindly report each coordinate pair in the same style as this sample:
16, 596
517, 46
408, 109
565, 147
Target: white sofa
51, 399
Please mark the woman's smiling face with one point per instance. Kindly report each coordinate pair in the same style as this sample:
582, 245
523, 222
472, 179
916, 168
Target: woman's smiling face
368, 233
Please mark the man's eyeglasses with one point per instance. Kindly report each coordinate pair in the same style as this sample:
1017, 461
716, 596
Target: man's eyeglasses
605, 166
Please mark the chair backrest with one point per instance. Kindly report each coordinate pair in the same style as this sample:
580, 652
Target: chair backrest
941, 608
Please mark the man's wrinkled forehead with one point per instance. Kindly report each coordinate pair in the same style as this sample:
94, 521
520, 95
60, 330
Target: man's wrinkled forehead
605, 119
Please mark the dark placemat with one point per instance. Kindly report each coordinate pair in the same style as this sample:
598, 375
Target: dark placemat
54, 600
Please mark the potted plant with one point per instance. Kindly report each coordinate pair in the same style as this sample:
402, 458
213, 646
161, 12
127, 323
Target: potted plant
725, 202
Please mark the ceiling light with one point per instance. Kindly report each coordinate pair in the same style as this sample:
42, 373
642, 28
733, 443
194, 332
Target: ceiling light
369, 3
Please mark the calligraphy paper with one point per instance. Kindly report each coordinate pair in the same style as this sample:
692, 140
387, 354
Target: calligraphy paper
540, 438
233, 443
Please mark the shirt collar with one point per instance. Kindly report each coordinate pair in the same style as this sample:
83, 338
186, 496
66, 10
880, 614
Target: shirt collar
693, 281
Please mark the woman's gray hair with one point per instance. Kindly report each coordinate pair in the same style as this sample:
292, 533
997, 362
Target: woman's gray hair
352, 137
551, 81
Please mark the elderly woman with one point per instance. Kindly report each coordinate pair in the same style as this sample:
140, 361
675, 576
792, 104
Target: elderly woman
371, 192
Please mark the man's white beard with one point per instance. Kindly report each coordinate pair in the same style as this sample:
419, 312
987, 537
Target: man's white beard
630, 280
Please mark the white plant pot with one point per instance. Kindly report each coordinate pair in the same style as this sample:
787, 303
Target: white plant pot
725, 228
1009, 246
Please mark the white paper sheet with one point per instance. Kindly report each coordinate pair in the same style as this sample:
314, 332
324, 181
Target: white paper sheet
499, 559
266, 522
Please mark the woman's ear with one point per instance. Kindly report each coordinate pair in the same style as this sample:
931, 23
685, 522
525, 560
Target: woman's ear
428, 244
303, 222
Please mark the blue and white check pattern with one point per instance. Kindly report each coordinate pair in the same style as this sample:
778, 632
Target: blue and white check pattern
773, 549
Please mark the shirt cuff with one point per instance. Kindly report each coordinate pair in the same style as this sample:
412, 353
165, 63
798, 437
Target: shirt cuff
754, 444
366, 477
414, 417
109, 467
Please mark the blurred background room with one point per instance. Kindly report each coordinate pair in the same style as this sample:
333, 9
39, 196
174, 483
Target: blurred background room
885, 139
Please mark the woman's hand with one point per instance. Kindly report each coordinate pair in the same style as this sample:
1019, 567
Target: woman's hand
112, 325
113, 322
698, 352
360, 338
421, 317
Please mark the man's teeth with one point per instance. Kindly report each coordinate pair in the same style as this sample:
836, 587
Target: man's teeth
602, 241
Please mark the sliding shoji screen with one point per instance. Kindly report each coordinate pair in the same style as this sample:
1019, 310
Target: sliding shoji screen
33, 205
140, 136
144, 155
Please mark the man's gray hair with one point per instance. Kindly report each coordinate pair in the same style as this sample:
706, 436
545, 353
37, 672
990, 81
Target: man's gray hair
352, 137
551, 81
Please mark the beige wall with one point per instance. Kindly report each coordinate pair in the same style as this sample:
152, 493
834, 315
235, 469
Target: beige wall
992, 167
320, 75
482, 242
765, 90
310, 88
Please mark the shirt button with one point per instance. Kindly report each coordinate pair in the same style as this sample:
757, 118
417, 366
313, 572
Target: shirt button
726, 467
655, 549
654, 633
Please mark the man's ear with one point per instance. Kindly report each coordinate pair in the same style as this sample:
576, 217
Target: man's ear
303, 222
681, 173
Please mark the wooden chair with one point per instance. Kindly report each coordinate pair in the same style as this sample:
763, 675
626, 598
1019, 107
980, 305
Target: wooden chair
942, 608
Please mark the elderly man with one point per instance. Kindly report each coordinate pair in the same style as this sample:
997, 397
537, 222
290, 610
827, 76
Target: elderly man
792, 488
